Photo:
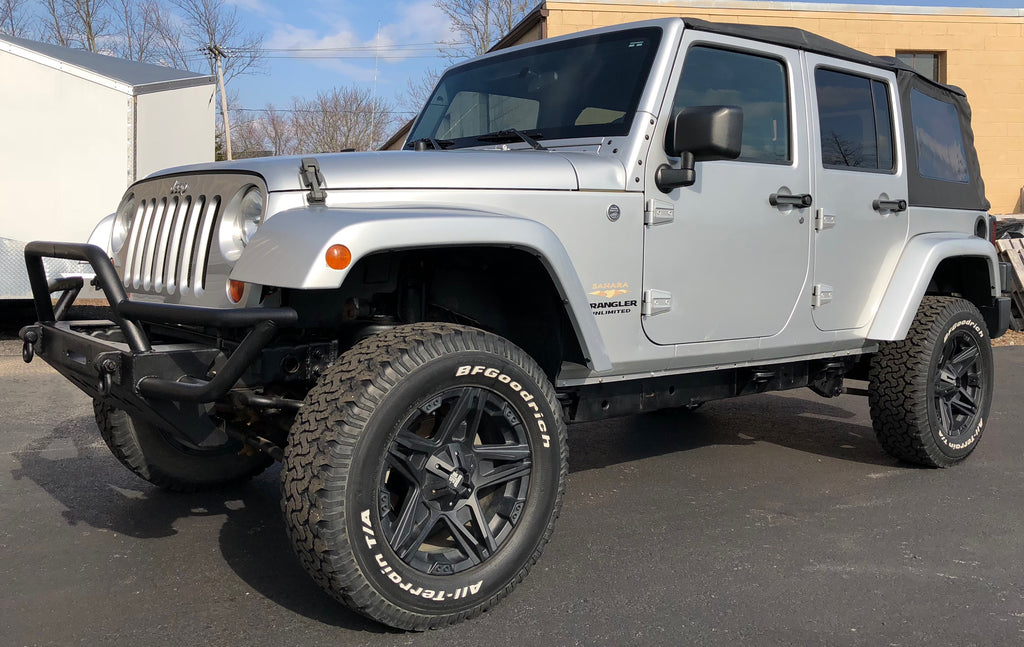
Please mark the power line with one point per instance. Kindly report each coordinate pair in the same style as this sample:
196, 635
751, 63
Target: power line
318, 111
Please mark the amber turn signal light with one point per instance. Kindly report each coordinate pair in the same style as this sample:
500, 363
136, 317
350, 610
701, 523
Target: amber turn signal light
235, 290
338, 257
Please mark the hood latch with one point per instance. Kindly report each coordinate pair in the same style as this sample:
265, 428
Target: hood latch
311, 176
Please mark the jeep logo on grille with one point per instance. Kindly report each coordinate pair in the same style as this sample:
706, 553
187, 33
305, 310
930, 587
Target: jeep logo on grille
179, 188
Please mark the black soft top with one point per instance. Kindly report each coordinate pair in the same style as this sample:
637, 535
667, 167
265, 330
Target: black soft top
922, 191
805, 40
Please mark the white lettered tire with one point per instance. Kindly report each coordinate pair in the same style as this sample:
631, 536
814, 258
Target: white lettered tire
424, 474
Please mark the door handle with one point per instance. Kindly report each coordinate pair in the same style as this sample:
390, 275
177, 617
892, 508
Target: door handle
799, 200
894, 206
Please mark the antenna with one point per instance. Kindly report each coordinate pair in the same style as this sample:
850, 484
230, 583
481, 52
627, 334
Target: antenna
376, 65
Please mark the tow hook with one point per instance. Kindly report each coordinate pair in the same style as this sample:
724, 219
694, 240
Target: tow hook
29, 336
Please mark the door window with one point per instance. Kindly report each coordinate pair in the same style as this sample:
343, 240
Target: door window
757, 84
855, 122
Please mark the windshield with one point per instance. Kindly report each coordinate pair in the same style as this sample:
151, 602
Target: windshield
585, 87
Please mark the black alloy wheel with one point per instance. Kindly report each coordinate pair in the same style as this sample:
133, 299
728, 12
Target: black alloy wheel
455, 480
958, 385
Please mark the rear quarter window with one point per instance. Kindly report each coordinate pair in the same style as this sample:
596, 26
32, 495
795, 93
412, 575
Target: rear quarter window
939, 140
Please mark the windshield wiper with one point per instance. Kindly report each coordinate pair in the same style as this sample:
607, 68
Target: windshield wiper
436, 144
511, 135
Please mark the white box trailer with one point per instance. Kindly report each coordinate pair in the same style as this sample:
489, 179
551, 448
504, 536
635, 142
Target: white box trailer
77, 128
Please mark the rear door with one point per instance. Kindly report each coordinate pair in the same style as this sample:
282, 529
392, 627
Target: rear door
859, 181
720, 260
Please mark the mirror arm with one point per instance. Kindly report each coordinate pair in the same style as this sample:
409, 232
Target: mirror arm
668, 178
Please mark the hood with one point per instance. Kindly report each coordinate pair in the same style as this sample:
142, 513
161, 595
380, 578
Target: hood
458, 169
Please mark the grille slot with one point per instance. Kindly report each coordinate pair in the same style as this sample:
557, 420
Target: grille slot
170, 242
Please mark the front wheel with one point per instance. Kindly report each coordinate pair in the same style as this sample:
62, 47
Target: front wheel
424, 474
930, 393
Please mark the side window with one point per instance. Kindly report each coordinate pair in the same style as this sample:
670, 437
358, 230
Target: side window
756, 84
940, 143
855, 122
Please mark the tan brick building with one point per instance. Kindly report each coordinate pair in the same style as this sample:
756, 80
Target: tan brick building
980, 50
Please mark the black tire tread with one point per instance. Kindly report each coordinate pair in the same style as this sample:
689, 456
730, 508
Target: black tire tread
342, 401
898, 384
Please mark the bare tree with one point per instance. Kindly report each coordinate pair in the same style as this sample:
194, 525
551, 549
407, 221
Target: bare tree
418, 91
279, 131
136, 29
340, 119
481, 22
13, 18
203, 23
76, 23
89, 18
170, 43
57, 24
266, 131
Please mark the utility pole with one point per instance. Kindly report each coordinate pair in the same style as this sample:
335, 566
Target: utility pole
217, 53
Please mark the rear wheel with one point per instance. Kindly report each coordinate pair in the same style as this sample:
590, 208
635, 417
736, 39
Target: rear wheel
424, 474
930, 393
153, 456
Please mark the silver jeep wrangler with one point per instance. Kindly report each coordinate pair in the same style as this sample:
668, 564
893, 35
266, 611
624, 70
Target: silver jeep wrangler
647, 216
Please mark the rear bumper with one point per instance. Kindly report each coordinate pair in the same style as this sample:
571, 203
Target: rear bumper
116, 361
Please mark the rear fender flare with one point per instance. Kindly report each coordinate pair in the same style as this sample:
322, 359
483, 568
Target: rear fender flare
921, 256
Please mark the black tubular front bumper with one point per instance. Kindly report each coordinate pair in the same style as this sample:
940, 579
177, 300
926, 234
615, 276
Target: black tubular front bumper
127, 369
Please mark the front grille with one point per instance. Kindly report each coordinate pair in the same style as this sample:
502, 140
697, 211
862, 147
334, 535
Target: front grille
169, 244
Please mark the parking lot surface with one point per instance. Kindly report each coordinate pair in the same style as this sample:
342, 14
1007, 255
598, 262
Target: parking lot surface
774, 519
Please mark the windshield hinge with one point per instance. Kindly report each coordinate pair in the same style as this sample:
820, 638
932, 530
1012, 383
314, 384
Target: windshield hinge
657, 213
313, 179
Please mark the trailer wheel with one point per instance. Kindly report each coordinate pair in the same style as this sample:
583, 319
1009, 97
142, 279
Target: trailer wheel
150, 455
930, 393
424, 474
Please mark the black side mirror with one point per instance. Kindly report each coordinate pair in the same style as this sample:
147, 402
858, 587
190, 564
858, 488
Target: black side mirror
700, 134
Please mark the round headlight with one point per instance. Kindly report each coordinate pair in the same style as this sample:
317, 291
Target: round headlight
250, 214
122, 223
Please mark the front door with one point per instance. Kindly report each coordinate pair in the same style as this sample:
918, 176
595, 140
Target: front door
723, 258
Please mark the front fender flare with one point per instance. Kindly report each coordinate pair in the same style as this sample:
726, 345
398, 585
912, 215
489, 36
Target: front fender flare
288, 251
917, 265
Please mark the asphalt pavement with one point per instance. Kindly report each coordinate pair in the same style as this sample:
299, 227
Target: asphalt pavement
770, 520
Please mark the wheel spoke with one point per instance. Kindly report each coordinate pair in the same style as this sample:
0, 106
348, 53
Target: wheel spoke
504, 473
485, 529
502, 452
414, 537
468, 544
403, 464
457, 415
946, 415
944, 388
415, 443
960, 362
405, 523
964, 402
473, 426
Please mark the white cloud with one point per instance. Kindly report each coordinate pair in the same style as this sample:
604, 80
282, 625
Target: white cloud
416, 22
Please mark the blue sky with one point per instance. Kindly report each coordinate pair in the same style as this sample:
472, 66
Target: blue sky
407, 29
